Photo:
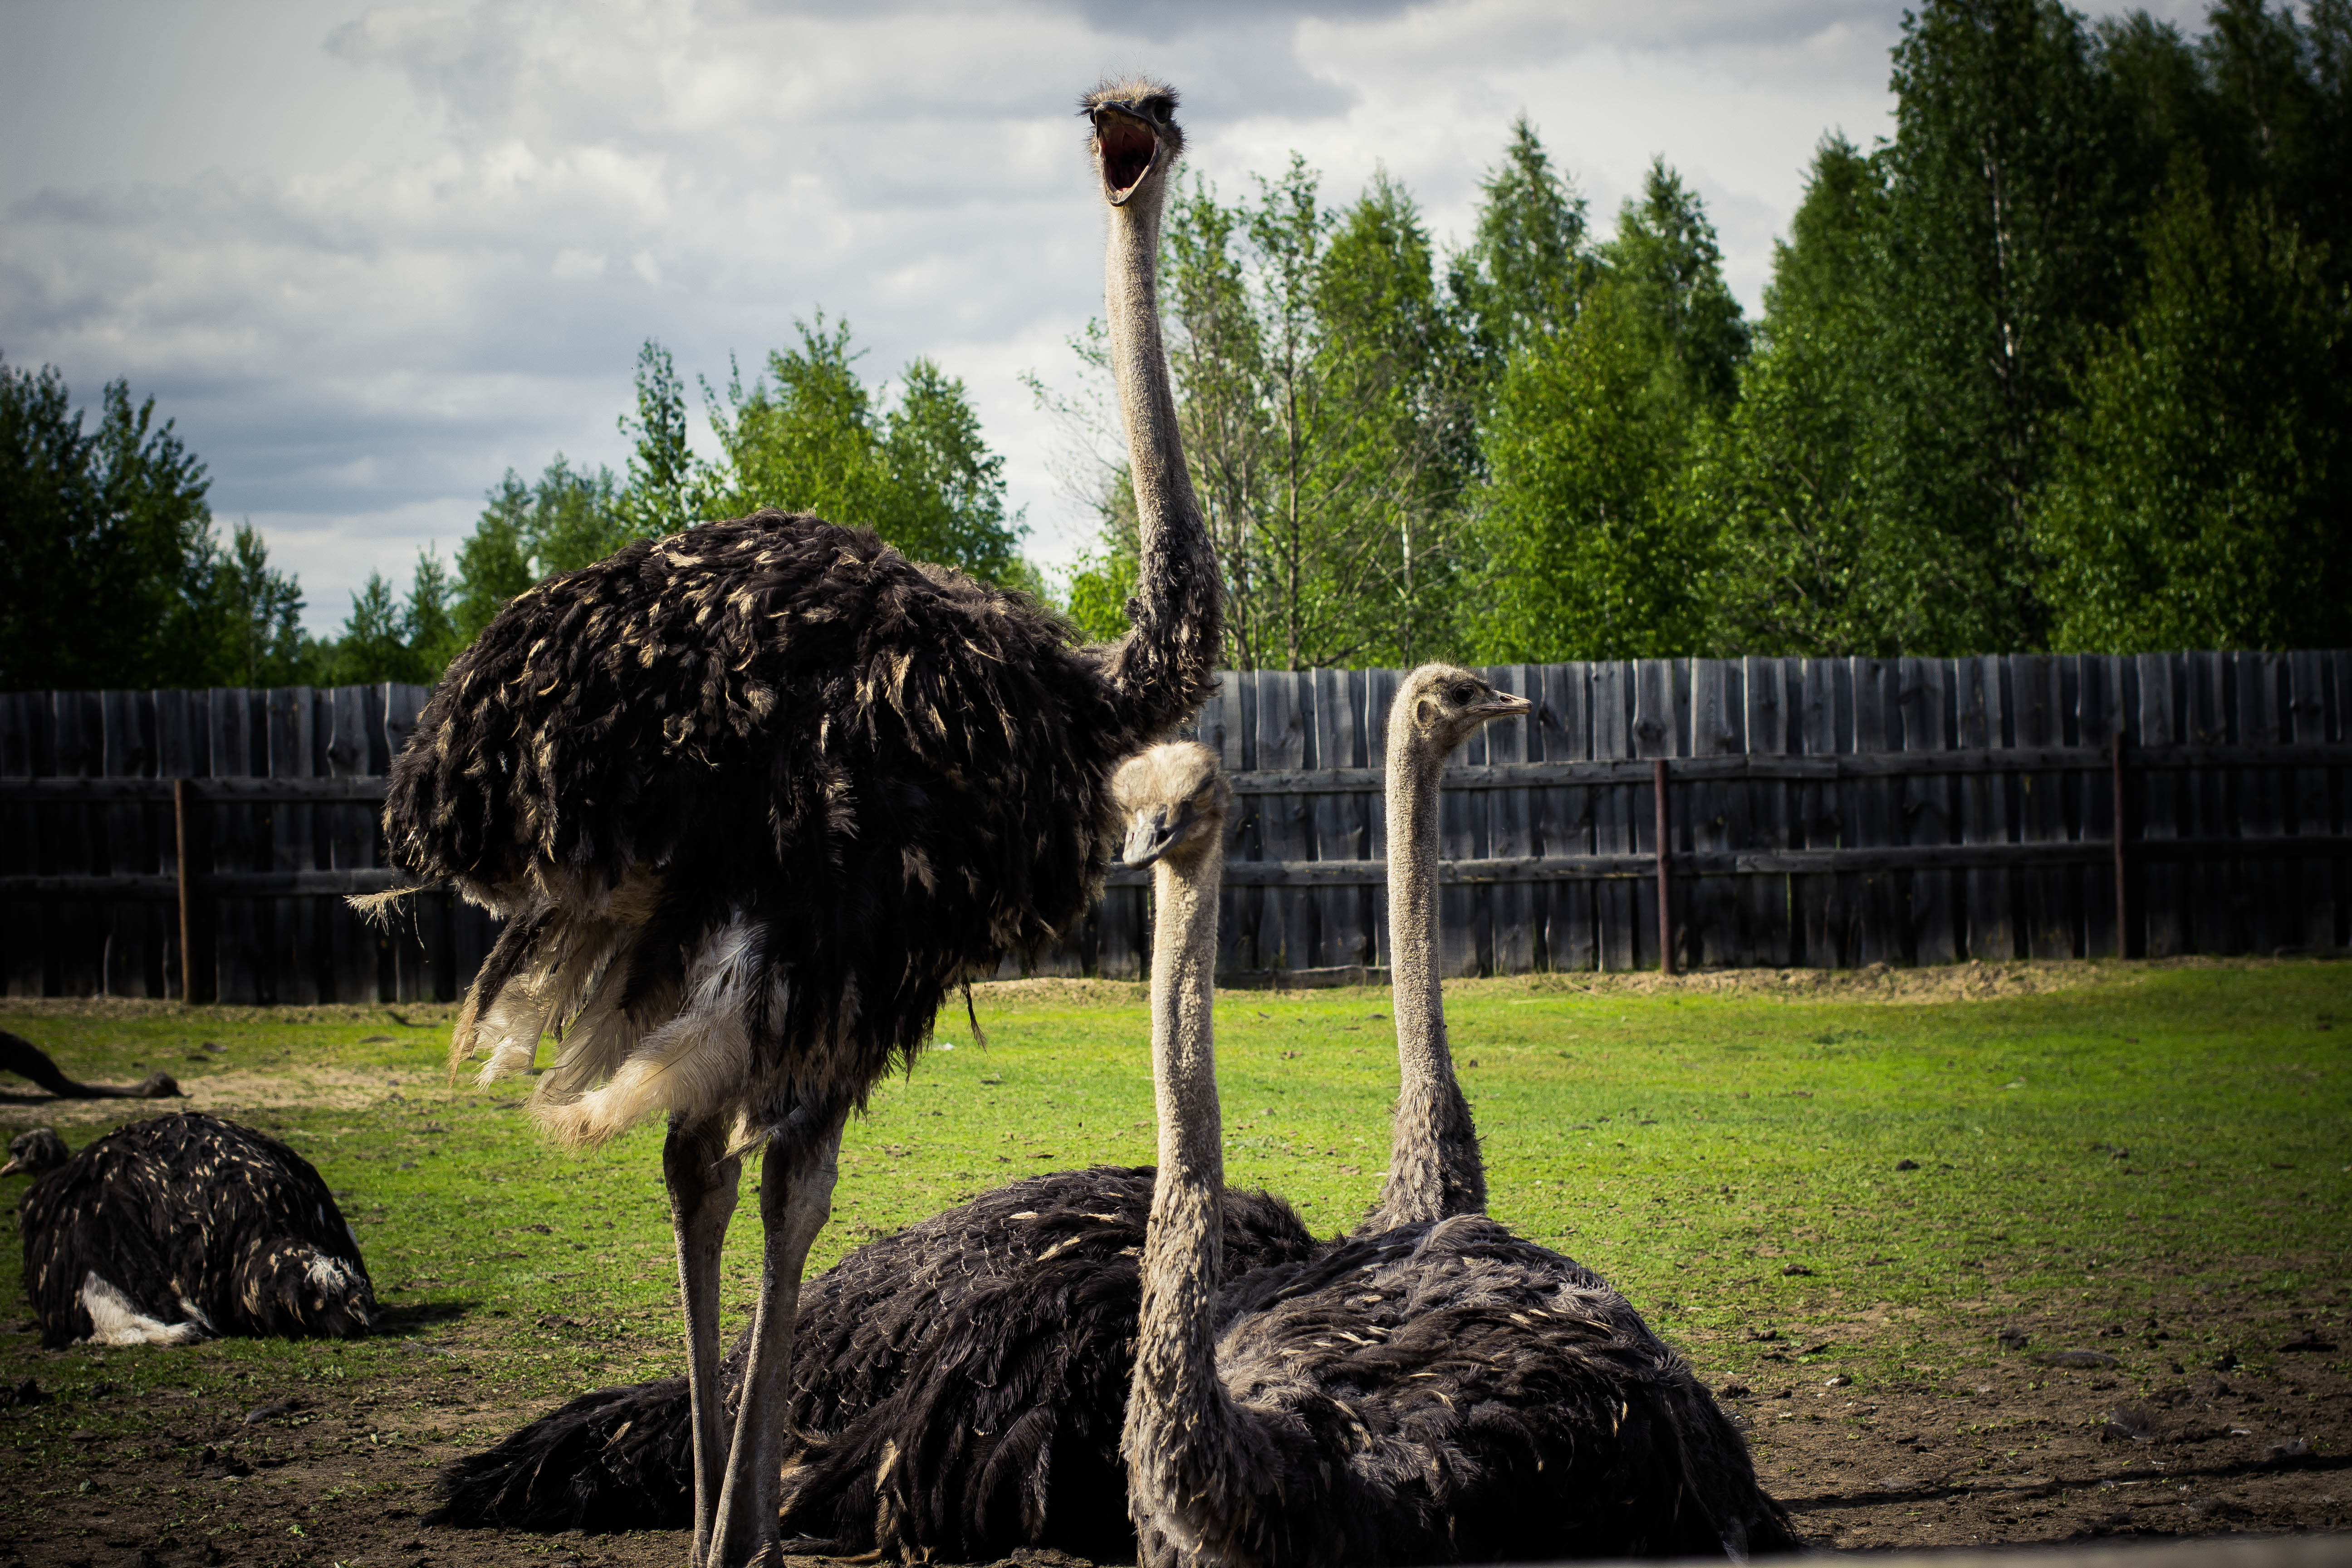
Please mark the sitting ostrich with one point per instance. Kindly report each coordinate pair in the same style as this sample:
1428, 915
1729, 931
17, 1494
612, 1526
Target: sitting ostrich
1434, 1170
177, 1229
753, 797
958, 1387
20, 1056
1424, 1393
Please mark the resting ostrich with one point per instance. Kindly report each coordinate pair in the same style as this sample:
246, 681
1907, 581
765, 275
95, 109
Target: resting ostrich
993, 1378
20, 1056
181, 1228
753, 797
1434, 1170
1434, 1392
957, 1388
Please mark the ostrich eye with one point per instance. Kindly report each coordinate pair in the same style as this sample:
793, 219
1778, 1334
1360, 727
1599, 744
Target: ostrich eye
1465, 692
1156, 107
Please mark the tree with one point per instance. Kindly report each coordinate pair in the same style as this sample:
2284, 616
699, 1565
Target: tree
98, 533
2006, 239
662, 496
2203, 496
1527, 265
249, 618
917, 471
1592, 550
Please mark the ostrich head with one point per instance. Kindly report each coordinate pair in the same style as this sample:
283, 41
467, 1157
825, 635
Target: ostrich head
1136, 140
1175, 800
30, 1154
158, 1086
1443, 703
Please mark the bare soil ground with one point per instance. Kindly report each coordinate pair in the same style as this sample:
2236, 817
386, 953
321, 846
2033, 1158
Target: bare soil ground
2166, 1443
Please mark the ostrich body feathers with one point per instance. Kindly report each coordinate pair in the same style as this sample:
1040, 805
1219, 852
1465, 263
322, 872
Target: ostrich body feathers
185, 1226
957, 1387
753, 797
1449, 1393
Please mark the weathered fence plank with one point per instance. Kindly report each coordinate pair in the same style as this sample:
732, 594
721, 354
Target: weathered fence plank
1985, 805
1510, 831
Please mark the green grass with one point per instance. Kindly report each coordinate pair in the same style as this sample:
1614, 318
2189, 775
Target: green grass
2102, 1152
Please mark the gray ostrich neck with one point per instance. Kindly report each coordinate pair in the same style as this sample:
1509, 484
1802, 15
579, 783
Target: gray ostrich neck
1434, 1170
1178, 1411
1162, 667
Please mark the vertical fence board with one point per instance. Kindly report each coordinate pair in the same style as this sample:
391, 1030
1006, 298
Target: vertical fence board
2099, 720
1985, 806
1237, 946
75, 931
2036, 720
1716, 721
1870, 817
2160, 791
1926, 807
2307, 705
1287, 922
349, 947
1820, 897
20, 919
121, 848
1654, 734
235, 846
1763, 820
1342, 915
1463, 913
184, 750
1510, 830
2261, 795
2216, 915
1379, 694
294, 952
1564, 815
1616, 909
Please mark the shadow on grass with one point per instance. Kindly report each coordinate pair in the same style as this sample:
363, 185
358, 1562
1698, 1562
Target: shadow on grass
400, 1322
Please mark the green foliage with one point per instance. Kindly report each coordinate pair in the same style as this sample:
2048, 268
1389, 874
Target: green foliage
251, 614
1528, 264
662, 491
2203, 499
100, 531
917, 470
1589, 556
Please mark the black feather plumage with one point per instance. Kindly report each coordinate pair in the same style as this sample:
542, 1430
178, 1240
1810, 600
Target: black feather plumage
1450, 1392
983, 1352
195, 1226
889, 774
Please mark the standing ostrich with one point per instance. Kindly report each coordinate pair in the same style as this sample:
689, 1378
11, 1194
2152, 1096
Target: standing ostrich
174, 1230
1434, 1170
1431, 1393
753, 797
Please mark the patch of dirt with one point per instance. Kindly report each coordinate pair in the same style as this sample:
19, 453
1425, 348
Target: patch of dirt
1971, 981
283, 1088
2215, 1432
412, 1014
2018, 1453
1043, 988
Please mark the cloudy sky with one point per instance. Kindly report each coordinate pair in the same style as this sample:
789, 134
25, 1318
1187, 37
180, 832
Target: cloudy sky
370, 257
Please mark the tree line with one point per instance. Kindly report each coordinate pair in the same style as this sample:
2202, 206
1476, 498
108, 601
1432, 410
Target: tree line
2064, 363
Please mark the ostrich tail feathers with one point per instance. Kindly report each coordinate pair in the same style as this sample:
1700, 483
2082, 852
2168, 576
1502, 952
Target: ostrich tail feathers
619, 1458
693, 1066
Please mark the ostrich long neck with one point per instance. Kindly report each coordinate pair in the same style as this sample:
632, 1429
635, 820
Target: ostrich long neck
1161, 670
1178, 1416
1434, 1170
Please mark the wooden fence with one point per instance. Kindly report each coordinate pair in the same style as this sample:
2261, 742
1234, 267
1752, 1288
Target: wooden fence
1818, 812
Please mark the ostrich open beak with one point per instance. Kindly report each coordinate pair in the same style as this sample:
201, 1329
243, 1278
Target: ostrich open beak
1127, 147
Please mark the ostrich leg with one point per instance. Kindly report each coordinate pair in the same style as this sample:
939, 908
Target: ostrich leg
702, 1177
796, 1178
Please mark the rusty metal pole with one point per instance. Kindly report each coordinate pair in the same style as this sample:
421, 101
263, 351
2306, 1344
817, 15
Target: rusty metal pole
2116, 776
184, 874
1666, 923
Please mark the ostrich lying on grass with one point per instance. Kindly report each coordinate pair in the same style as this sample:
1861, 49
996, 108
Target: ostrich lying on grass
181, 1228
1424, 1393
20, 1056
960, 1386
753, 798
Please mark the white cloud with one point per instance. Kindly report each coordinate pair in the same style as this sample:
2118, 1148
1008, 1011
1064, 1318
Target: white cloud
370, 258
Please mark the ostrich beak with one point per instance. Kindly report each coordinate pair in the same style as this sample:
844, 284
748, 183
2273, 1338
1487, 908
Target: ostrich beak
1127, 146
1503, 704
12, 1167
1154, 832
